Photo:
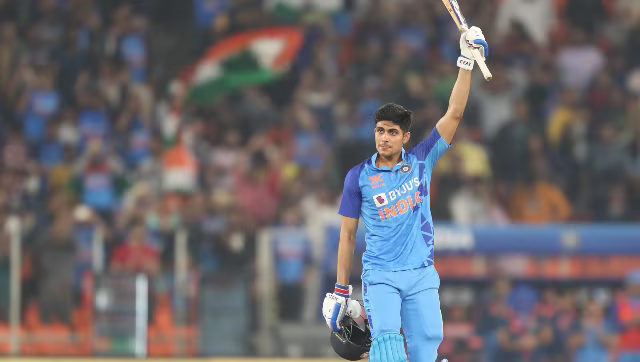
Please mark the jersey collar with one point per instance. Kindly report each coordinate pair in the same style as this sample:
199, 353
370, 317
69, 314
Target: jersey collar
375, 156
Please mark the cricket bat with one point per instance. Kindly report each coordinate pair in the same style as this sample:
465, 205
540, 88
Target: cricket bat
461, 22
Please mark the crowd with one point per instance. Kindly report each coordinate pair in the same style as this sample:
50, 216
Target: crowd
520, 322
94, 147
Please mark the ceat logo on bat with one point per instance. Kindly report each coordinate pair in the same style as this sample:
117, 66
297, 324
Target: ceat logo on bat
380, 199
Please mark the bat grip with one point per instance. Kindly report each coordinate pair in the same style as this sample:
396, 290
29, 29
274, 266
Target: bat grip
481, 63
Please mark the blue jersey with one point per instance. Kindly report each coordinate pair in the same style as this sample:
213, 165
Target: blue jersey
394, 205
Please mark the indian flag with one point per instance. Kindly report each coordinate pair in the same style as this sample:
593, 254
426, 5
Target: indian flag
249, 58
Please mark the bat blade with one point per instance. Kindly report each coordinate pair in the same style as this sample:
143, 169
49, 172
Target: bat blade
454, 10
457, 14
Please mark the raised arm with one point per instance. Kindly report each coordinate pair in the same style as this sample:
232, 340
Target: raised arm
448, 124
458, 102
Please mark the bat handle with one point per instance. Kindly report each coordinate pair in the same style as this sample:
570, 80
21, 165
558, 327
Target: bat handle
481, 63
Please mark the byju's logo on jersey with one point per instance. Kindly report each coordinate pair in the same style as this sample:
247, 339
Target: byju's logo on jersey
406, 168
380, 199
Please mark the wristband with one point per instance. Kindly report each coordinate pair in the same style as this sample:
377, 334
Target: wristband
465, 63
342, 290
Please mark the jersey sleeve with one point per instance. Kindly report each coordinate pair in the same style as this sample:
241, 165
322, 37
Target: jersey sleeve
351, 195
431, 149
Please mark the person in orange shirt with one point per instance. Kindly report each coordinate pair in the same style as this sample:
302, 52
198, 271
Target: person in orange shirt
626, 312
537, 200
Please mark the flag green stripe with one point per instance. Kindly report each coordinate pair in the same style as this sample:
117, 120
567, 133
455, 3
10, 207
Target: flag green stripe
206, 92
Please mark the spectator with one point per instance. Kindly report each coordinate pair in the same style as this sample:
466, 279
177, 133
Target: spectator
179, 167
473, 154
256, 190
40, 104
11, 50
136, 254
205, 11
525, 335
460, 337
475, 204
592, 60
563, 321
607, 162
626, 314
54, 255
50, 150
496, 100
592, 337
617, 208
509, 147
537, 17
93, 122
133, 48
292, 257
536, 200
97, 176
86, 228
14, 153
494, 313
309, 148
563, 115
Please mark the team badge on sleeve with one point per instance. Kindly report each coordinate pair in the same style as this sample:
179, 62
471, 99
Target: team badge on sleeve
380, 199
406, 168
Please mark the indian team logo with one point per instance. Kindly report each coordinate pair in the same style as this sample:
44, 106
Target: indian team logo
380, 199
406, 168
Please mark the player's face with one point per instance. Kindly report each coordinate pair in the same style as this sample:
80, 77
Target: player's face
389, 138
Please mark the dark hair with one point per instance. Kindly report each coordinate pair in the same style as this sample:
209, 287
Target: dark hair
395, 113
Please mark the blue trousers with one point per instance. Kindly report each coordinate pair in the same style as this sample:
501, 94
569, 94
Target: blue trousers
406, 299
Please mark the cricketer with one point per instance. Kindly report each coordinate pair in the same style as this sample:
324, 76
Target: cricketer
390, 191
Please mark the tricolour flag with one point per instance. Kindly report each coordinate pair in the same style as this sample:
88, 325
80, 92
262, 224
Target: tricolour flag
249, 58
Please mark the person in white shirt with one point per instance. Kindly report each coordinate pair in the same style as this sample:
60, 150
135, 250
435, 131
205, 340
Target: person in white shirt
537, 17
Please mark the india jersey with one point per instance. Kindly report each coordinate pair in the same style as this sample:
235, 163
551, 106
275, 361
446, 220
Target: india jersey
394, 206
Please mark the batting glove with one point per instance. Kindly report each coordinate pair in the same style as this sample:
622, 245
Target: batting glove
335, 306
472, 39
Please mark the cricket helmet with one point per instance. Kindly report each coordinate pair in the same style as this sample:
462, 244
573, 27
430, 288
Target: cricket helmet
353, 341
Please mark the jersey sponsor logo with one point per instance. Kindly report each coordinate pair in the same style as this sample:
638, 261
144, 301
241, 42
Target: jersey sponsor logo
406, 168
401, 207
406, 187
380, 199
376, 181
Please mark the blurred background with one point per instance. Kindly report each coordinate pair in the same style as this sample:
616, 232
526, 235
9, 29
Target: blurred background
171, 173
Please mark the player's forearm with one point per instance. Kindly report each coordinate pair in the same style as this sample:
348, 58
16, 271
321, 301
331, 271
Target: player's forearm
457, 103
460, 95
345, 258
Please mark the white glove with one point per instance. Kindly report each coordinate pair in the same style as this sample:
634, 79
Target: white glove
472, 38
335, 306
354, 309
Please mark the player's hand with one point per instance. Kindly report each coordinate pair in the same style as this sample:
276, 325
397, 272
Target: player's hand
354, 309
335, 305
472, 39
